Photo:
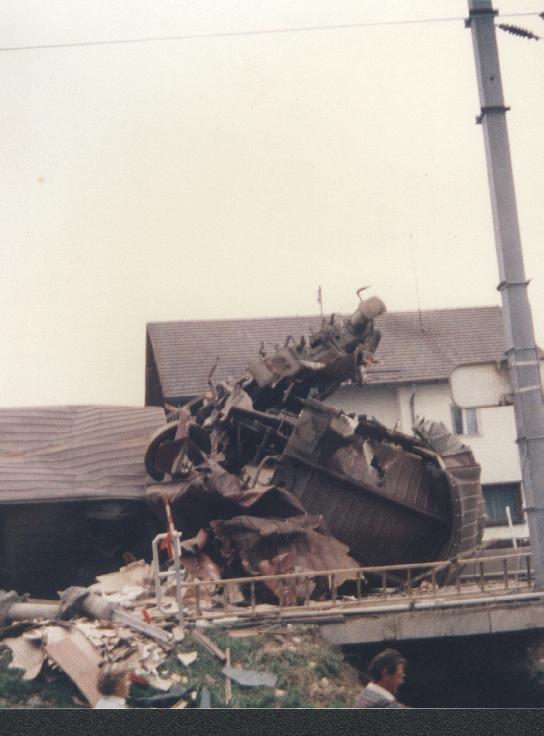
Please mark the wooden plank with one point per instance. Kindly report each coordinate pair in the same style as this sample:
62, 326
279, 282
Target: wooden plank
76, 656
228, 684
210, 645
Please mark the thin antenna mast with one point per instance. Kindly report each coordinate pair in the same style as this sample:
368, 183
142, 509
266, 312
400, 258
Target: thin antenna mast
414, 266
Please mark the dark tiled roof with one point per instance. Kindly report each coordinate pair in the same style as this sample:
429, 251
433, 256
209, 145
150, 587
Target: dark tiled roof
75, 452
428, 349
412, 348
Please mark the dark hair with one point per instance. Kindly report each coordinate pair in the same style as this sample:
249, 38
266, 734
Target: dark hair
109, 678
385, 662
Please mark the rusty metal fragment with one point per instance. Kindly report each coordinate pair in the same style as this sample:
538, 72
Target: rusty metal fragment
268, 546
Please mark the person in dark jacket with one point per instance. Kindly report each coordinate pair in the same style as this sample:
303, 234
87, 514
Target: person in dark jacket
387, 673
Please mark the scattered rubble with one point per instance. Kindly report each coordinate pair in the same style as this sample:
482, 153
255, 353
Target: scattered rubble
177, 675
257, 477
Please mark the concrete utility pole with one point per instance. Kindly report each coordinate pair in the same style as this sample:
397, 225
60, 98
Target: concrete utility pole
521, 351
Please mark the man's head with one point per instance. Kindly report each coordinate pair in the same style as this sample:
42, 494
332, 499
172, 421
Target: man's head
113, 681
387, 669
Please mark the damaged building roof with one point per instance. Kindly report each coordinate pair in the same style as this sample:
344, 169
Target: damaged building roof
415, 347
74, 452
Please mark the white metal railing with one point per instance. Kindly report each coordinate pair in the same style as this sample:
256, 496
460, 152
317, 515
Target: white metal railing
173, 538
470, 579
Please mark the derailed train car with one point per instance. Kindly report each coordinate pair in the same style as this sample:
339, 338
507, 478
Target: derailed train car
260, 474
264, 477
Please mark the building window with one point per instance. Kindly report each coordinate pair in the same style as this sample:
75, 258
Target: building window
497, 497
464, 421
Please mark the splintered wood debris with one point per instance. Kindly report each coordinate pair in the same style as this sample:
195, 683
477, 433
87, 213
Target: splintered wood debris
81, 647
209, 644
136, 575
139, 639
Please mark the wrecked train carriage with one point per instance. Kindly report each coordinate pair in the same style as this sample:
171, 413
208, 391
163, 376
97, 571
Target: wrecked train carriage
390, 498
261, 473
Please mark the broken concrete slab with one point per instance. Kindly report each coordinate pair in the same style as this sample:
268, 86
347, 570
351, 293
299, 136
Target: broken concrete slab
77, 657
250, 678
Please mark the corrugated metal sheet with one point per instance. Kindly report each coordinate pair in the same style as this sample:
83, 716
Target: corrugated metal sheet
74, 452
414, 346
378, 530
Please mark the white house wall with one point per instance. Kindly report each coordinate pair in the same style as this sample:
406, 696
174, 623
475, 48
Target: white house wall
374, 401
494, 446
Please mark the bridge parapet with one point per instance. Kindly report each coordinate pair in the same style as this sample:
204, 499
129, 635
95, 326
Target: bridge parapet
379, 592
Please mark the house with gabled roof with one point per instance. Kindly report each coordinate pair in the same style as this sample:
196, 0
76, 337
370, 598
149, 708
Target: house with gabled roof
416, 355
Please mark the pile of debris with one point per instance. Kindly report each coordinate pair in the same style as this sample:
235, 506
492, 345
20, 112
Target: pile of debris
87, 628
170, 666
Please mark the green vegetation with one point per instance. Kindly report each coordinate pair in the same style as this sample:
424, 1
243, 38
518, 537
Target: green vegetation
55, 691
311, 674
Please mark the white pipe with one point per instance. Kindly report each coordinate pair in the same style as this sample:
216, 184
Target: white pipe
511, 527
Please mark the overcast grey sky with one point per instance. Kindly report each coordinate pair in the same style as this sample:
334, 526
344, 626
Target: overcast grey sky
230, 176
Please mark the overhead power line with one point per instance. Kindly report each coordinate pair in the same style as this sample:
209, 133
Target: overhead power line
234, 34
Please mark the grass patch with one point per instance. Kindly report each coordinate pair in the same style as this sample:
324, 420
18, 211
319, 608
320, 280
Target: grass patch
310, 673
38, 693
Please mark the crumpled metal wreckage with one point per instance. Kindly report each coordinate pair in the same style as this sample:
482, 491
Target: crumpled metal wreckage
263, 477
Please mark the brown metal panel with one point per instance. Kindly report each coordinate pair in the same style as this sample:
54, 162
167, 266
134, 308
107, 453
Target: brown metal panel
463, 475
375, 530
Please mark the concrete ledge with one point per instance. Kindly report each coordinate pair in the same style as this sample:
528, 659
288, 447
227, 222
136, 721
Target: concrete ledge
438, 623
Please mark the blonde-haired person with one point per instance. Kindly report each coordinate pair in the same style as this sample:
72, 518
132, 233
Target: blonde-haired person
113, 684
